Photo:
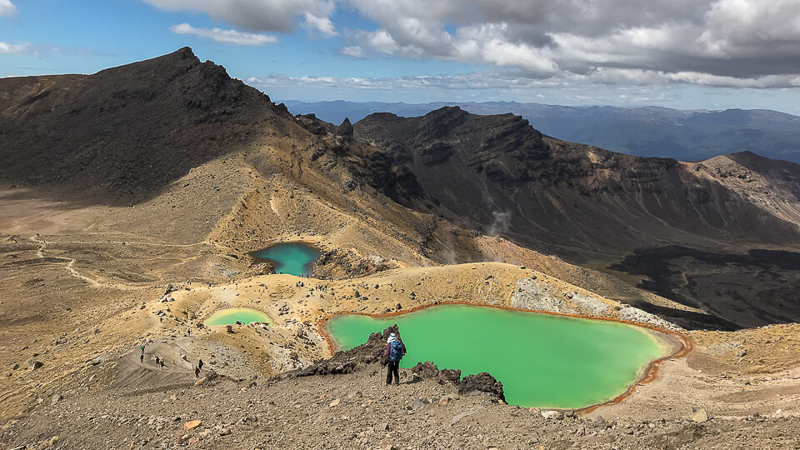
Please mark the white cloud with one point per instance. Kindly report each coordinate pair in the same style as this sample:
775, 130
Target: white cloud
319, 25
12, 49
753, 42
353, 51
654, 77
258, 15
730, 42
471, 81
7, 9
224, 36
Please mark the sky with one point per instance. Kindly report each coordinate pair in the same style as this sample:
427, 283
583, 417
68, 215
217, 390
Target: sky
684, 54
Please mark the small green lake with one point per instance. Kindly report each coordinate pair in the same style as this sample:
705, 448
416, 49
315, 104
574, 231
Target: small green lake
542, 360
293, 258
231, 315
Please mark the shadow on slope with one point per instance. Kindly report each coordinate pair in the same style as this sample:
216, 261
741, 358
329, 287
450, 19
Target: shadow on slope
752, 289
119, 136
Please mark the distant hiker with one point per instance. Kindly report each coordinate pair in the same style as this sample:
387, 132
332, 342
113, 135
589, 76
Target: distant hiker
395, 350
197, 372
143, 349
200, 364
189, 332
141, 358
161, 363
157, 361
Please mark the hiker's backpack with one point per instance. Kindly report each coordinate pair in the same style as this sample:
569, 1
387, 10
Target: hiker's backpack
396, 351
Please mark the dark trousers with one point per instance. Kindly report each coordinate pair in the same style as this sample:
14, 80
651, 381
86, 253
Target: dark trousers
394, 367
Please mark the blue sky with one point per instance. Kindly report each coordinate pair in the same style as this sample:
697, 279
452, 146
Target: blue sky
698, 54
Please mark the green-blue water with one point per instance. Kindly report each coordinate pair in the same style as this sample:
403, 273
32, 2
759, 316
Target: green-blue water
542, 360
293, 258
231, 315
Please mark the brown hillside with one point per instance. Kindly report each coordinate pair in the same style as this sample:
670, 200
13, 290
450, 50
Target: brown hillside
130, 200
612, 211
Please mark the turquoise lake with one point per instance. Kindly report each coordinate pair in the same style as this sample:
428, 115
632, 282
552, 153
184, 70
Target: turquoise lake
232, 315
542, 360
293, 258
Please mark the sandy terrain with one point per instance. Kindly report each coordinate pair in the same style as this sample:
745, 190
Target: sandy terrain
84, 286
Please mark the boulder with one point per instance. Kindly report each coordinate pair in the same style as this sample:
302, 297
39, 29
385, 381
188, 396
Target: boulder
552, 415
450, 375
169, 289
699, 415
33, 363
426, 370
483, 383
420, 403
188, 426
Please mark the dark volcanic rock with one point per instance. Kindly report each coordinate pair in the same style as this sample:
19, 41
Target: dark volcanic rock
430, 370
498, 175
126, 132
580, 202
350, 360
340, 263
482, 382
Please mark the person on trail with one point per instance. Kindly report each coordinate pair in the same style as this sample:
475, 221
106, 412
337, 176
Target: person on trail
142, 349
157, 362
395, 350
141, 358
200, 364
197, 372
162, 363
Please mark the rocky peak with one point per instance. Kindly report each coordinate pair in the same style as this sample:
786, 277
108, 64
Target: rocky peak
502, 146
127, 129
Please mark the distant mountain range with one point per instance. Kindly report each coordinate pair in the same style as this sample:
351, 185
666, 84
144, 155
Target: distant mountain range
648, 131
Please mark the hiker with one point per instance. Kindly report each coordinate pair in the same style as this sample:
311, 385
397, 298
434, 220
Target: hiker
395, 350
200, 364
143, 349
162, 363
157, 362
197, 372
141, 358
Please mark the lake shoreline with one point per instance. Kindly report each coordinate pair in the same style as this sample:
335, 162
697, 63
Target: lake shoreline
674, 343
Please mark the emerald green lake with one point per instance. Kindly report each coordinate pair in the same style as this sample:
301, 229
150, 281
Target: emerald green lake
542, 360
294, 258
231, 315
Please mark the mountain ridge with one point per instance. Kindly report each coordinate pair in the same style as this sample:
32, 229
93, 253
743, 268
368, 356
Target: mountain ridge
687, 135
499, 175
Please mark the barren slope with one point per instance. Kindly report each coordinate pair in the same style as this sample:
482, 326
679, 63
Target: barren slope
96, 262
587, 205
